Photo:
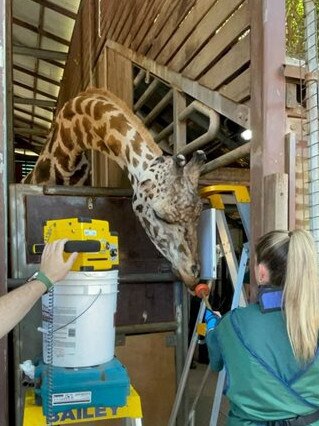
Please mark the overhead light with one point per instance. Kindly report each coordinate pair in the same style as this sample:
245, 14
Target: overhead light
246, 135
26, 152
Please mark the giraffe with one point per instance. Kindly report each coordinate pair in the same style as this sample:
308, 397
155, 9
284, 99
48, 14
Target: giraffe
165, 197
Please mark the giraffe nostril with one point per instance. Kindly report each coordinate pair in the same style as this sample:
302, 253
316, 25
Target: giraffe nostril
195, 270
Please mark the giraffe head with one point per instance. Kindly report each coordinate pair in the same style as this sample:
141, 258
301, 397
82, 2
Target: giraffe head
167, 204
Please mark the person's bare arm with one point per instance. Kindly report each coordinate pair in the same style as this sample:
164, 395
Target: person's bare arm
16, 304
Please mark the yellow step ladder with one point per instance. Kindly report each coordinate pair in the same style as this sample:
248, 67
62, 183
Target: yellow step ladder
131, 412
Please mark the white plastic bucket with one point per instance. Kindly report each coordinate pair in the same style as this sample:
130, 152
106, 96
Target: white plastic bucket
83, 319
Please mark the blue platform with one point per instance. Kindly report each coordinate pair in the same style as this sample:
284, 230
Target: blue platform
105, 385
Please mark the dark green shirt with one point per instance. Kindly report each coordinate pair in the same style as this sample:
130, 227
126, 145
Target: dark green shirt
264, 380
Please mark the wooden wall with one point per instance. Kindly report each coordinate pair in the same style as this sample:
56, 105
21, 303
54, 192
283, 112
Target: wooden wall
207, 41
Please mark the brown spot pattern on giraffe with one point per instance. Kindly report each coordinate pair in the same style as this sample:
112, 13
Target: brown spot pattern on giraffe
136, 144
66, 139
101, 131
78, 174
43, 170
102, 147
68, 111
115, 145
87, 128
135, 162
79, 135
100, 108
120, 123
62, 158
88, 107
58, 176
78, 104
127, 153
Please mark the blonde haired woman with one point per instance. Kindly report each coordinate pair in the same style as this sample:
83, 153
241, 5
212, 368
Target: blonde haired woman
270, 349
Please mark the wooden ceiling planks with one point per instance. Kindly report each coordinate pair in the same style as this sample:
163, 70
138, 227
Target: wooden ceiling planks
239, 88
204, 40
228, 66
221, 41
212, 21
184, 31
171, 25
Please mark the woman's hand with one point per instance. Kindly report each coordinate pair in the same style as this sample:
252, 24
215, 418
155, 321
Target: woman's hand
52, 262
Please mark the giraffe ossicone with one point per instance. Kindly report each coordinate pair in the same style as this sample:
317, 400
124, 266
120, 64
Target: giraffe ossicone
165, 196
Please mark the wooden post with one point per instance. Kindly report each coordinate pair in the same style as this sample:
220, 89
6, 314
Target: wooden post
119, 82
100, 163
290, 168
179, 104
4, 416
267, 106
276, 202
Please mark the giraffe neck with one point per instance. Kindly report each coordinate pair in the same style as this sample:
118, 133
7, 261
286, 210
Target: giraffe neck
95, 120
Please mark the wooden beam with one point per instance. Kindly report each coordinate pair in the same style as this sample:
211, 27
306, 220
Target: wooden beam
35, 75
40, 92
57, 8
238, 113
28, 131
290, 169
40, 117
4, 356
231, 175
268, 115
36, 102
39, 53
37, 30
29, 122
276, 202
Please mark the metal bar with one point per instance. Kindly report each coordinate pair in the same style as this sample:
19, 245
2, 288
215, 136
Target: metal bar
312, 111
139, 78
87, 192
148, 92
165, 132
36, 75
146, 328
56, 8
29, 131
159, 107
237, 301
39, 53
37, 30
31, 101
228, 158
124, 279
212, 128
190, 353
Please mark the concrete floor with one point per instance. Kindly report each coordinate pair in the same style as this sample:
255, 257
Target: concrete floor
204, 406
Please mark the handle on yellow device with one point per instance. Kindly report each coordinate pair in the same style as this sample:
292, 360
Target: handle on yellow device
79, 246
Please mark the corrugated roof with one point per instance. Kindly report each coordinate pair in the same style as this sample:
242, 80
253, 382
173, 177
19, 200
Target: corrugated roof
41, 34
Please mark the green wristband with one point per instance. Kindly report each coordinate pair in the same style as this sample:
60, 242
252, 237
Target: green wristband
40, 276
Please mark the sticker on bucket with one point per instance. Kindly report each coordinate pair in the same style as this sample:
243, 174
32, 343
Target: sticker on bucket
64, 337
71, 398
